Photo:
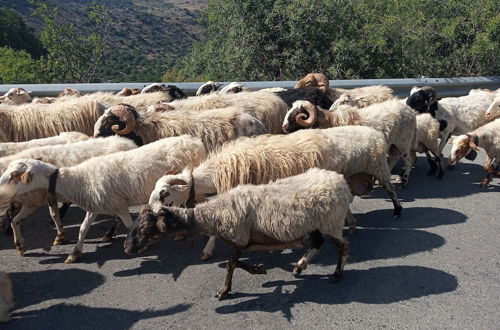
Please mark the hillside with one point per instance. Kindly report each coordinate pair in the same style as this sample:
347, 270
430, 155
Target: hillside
147, 38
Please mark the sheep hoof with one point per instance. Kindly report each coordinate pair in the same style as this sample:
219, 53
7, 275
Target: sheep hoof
397, 212
484, 183
222, 293
58, 240
107, 238
205, 256
336, 277
180, 236
297, 271
73, 257
259, 269
21, 251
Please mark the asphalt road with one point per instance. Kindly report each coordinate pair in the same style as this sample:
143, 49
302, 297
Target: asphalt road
438, 266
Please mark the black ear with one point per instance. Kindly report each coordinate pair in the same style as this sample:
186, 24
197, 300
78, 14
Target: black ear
475, 139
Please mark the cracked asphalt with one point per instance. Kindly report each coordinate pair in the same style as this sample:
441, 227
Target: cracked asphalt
437, 266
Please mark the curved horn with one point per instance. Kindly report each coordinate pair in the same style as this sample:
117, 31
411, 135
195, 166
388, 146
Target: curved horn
123, 111
307, 120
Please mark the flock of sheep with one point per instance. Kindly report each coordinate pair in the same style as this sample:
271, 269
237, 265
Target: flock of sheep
260, 170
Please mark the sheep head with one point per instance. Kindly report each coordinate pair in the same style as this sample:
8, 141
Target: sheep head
302, 114
69, 91
18, 95
422, 98
173, 189
342, 100
462, 146
208, 88
360, 184
494, 108
314, 80
119, 119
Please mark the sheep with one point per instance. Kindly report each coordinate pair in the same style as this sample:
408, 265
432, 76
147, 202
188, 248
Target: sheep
486, 137
69, 91
173, 91
427, 142
208, 88
57, 155
347, 150
6, 297
234, 88
213, 127
125, 178
279, 215
456, 115
141, 101
10, 148
363, 96
16, 96
394, 119
311, 94
36, 121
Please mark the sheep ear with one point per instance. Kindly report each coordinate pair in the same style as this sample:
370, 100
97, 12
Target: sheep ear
14, 176
171, 172
473, 141
180, 187
26, 177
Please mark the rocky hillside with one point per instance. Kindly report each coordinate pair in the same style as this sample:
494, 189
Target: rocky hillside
147, 38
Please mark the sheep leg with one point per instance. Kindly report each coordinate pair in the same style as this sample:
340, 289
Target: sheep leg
316, 244
393, 156
84, 229
351, 222
406, 173
209, 249
342, 245
19, 241
231, 265
491, 169
432, 164
252, 269
385, 181
56, 217
113, 229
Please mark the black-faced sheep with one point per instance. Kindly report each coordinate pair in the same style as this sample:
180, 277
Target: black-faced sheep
125, 179
214, 127
279, 215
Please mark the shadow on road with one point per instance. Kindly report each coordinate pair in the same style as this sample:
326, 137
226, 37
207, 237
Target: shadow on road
34, 287
67, 316
379, 285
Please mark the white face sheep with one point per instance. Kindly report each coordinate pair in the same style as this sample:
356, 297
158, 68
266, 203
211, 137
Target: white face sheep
348, 150
393, 118
493, 110
363, 96
6, 297
486, 137
279, 215
16, 96
208, 88
214, 127
61, 156
124, 179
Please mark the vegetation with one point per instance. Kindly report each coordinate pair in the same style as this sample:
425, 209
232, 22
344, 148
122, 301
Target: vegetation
285, 39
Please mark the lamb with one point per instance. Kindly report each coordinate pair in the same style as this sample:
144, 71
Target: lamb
364, 96
173, 91
394, 119
6, 297
314, 80
128, 92
233, 88
125, 178
348, 150
456, 115
208, 88
486, 137
279, 215
16, 96
213, 127
69, 91
10, 148
36, 121
57, 155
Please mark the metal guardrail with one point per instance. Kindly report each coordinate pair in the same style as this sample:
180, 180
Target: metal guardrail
445, 87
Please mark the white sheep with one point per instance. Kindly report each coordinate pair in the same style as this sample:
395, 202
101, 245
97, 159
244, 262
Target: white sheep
233, 88
16, 96
493, 110
214, 127
106, 184
59, 156
36, 121
363, 96
348, 150
456, 115
10, 148
6, 297
393, 118
279, 215
486, 137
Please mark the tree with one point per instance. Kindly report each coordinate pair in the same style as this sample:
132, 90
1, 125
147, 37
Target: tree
73, 56
18, 67
346, 39
15, 34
